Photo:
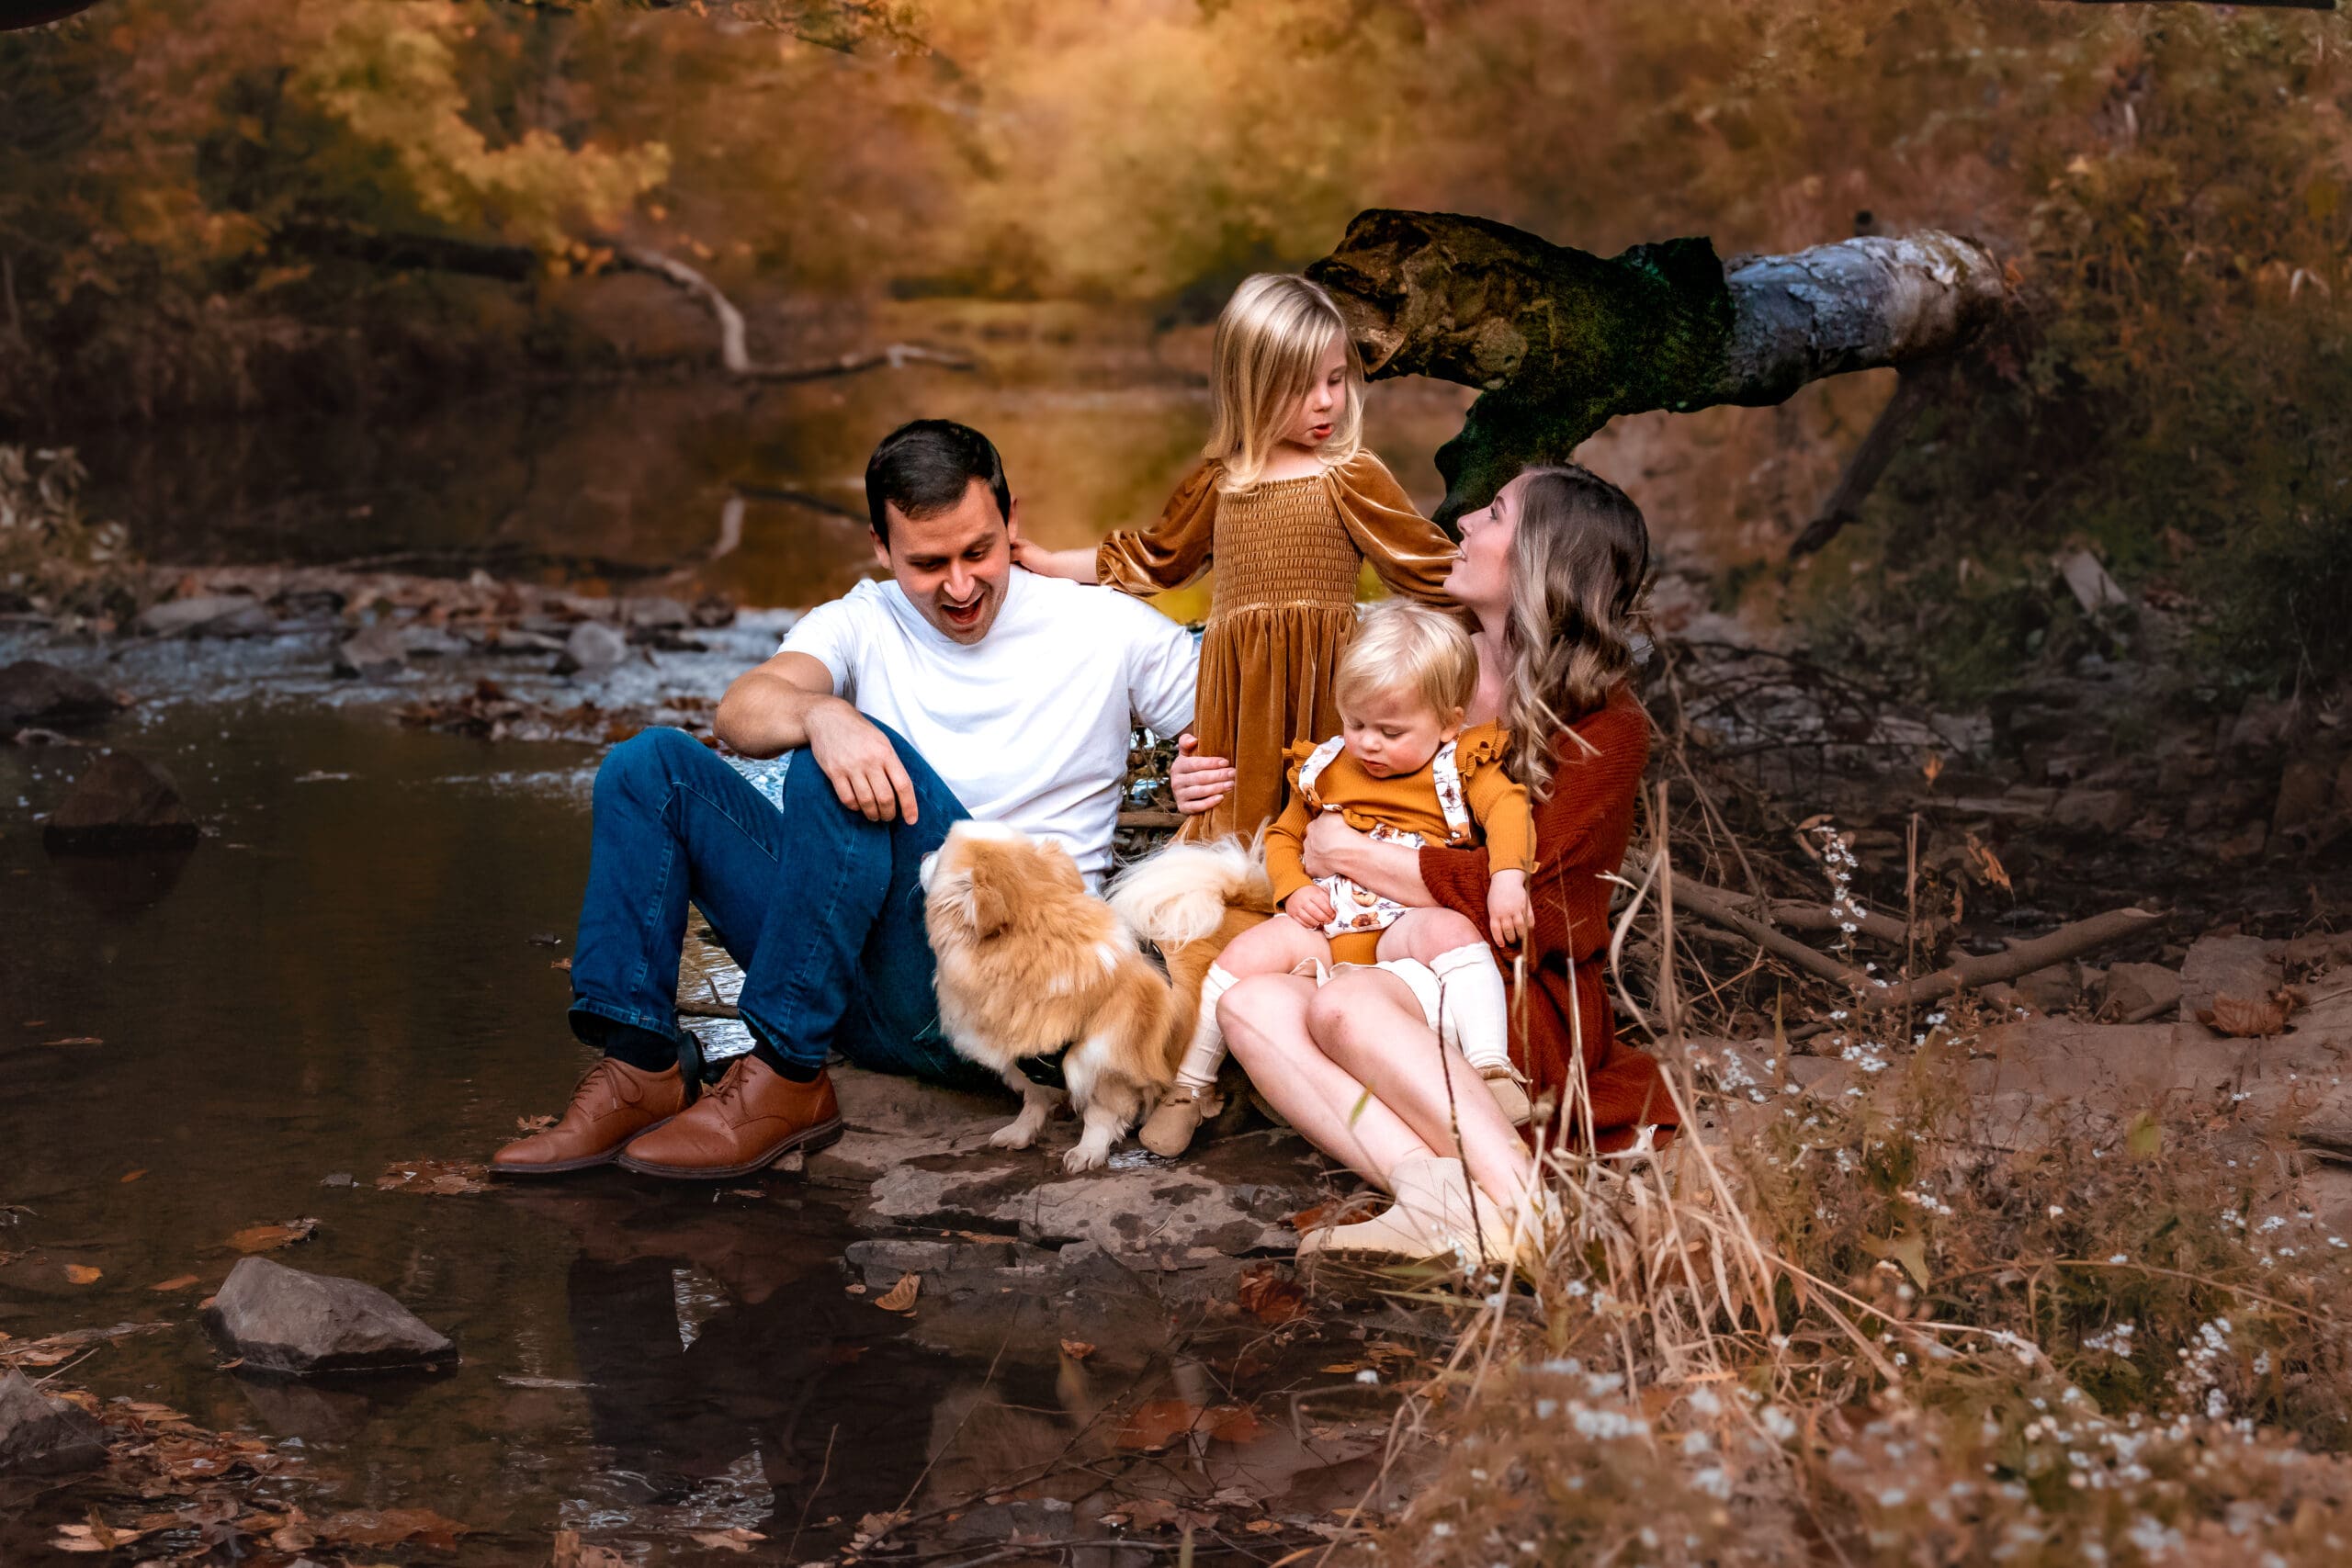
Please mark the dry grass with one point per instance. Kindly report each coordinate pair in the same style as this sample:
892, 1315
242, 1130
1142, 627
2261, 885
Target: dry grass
1862, 1330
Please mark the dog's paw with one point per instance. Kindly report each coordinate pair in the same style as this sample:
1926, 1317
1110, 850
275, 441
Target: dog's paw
1085, 1157
1012, 1135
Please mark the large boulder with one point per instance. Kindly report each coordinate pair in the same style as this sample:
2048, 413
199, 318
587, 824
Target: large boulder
42, 1436
35, 692
120, 803
2246, 967
374, 653
283, 1320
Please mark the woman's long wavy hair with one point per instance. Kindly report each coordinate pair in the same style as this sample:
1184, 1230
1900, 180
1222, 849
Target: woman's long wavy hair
1580, 560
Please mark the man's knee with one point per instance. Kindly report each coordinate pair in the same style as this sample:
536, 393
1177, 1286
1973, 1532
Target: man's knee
644, 764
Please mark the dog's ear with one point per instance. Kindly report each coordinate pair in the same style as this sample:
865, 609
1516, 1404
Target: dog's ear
1061, 869
991, 900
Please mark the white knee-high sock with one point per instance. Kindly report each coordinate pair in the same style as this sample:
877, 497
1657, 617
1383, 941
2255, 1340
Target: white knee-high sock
1206, 1053
1473, 1014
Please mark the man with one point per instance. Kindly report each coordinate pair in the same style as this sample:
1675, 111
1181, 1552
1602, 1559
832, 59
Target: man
960, 687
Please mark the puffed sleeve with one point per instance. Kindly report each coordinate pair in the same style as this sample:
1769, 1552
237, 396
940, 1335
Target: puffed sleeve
1173, 551
1287, 834
1408, 553
1498, 803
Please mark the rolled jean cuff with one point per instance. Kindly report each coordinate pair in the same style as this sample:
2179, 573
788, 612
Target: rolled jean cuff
786, 1049
583, 1008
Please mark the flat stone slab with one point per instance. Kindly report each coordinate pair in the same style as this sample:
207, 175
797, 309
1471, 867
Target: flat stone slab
41, 1435
119, 803
283, 1320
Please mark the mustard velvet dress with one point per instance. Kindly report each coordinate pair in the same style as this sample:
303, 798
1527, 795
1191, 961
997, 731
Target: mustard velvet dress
1288, 553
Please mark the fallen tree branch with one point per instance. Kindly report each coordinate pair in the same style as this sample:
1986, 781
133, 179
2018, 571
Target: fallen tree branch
1920, 385
1559, 341
734, 335
1726, 915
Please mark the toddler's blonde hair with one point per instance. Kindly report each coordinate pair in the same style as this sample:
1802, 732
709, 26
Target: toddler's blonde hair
1269, 339
1405, 646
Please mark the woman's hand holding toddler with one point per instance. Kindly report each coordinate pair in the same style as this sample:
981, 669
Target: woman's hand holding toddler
1507, 910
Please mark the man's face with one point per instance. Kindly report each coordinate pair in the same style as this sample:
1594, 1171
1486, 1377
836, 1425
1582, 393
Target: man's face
953, 566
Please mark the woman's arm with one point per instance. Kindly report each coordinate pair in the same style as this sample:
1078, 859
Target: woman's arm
1331, 848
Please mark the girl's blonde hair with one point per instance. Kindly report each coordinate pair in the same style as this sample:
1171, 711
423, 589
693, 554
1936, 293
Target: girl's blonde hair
1270, 339
1580, 558
1407, 647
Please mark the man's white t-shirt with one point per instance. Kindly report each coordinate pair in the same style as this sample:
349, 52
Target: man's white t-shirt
1029, 725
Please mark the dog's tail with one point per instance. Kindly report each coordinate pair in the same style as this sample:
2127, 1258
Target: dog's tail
1181, 894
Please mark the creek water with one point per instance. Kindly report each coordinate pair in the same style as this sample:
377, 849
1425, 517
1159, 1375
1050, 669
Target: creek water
357, 966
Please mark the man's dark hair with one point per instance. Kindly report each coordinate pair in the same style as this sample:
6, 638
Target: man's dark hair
925, 467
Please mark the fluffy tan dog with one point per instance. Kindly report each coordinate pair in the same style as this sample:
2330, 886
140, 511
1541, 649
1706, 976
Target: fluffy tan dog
1030, 962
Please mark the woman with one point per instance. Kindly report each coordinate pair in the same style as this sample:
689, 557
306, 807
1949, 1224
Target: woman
1550, 572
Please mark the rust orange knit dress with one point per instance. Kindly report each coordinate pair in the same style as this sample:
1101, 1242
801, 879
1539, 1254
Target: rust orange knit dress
1287, 554
1581, 831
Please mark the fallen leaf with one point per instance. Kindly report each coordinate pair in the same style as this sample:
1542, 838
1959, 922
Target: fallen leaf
873, 1528
441, 1178
2242, 1019
269, 1239
533, 1123
1343, 1368
1150, 1513
391, 1526
571, 1552
176, 1283
1153, 1425
1261, 1527
1270, 1297
82, 1274
900, 1297
737, 1539
76, 1040
131, 1175
294, 1534
1232, 1424
1077, 1349
562, 963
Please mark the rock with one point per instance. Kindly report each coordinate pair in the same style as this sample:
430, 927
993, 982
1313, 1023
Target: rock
2242, 966
2244, 844
2139, 992
591, 648
2094, 810
120, 803
2263, 723
2051, 990
2093, 588
2304, 790
514, 640
34, 692
1161, 1213
43, 1436
375, 653
206, 615
283, 1320
656, 612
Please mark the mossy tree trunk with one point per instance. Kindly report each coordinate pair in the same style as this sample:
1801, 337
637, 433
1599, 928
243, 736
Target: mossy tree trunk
1560, 340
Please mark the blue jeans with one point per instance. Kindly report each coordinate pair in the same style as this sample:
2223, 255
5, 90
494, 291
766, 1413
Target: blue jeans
822, 909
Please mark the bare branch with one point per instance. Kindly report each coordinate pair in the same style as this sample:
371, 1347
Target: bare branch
734, 349
1920, 385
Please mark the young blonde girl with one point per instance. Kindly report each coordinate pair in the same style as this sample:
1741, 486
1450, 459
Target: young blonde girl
1288, 505
1404, 770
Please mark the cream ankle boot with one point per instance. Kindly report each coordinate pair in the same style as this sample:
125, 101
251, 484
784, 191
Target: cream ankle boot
1434, 1216
1167, 1131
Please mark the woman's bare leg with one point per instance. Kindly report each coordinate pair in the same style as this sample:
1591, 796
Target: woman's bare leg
1370, 1027
1265, 1024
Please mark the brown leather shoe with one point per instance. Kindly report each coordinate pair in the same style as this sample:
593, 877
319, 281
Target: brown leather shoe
742, 1124
613, 1104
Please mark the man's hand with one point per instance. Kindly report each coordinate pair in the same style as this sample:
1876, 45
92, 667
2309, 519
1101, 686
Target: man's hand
1198, 783
1311, 907
860, 762
1329, 838
1509, 913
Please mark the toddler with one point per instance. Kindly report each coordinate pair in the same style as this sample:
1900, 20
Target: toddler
1404, 770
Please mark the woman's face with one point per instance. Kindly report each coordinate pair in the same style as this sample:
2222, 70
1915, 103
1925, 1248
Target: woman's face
1481, 575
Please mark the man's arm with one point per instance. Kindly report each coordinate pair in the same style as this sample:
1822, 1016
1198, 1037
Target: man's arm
787, 704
